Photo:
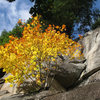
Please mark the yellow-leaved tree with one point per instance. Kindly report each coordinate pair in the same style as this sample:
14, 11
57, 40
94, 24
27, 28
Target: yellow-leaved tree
23, 57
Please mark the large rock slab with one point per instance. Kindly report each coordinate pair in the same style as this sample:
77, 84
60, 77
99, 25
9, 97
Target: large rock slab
91, 51
68, 73
91, 43
36, 96
88, 92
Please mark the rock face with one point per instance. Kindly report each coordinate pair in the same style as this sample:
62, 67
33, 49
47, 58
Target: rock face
68, 74
88, 92
91, 43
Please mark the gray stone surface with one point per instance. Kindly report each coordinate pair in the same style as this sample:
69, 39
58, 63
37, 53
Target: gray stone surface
68, 73
91, 51
91, 42
88, 92
37, 96
3, 92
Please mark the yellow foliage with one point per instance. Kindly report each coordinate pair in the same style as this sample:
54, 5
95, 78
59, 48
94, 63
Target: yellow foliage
23, 57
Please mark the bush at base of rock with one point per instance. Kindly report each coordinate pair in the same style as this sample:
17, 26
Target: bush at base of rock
23, 57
